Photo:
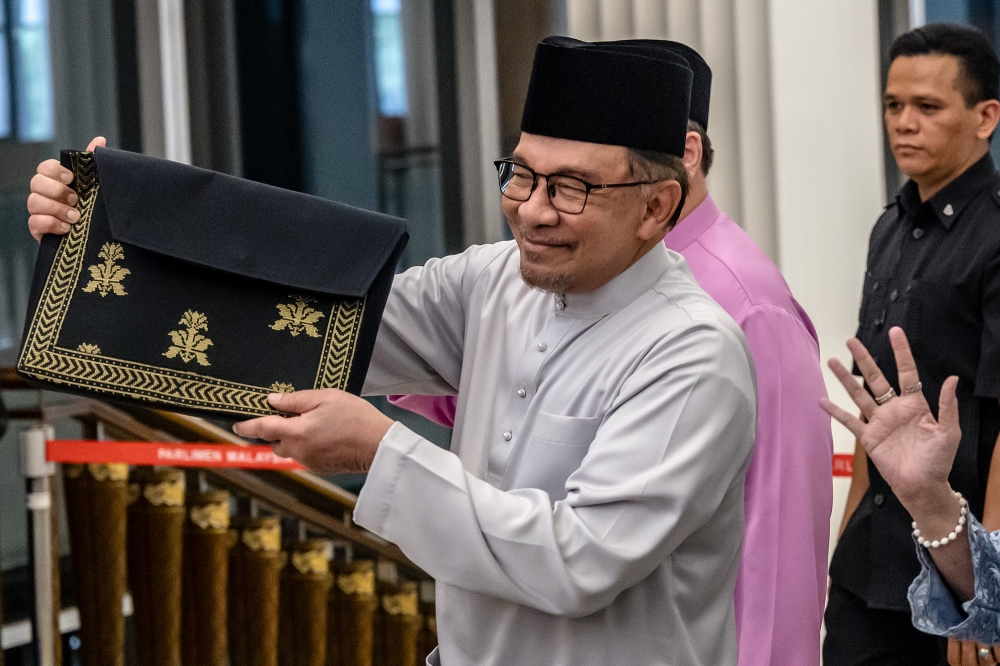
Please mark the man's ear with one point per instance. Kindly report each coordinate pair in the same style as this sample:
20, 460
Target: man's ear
692, 154
663, 200
989, 114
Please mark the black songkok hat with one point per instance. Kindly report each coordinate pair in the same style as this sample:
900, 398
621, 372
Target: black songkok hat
614, 93
701, 86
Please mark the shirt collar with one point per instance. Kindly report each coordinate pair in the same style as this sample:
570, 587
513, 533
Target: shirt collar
620, 291
949, 203
693, 225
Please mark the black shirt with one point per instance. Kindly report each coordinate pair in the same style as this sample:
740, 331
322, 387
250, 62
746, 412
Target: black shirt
934, 270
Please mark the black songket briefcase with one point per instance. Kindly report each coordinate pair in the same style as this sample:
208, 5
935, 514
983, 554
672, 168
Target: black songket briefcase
193, 291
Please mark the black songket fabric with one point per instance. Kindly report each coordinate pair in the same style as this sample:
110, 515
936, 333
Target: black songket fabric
190, 290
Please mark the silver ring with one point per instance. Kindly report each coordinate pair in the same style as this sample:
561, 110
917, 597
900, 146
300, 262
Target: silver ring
983, 653
916, 388
889, 395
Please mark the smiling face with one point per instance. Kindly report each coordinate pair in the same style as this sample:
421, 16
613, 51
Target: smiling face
579, 253
933, 134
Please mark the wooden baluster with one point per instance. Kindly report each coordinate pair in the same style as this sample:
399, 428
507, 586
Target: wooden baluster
400, 621
207, 542
428, 631
353, 604
155, 548
254, 581
305, 587
96, 500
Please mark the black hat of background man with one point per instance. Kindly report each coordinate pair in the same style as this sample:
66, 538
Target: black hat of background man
701, 86
634, 96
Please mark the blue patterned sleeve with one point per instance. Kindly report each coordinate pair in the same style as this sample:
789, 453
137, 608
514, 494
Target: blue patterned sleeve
934, 608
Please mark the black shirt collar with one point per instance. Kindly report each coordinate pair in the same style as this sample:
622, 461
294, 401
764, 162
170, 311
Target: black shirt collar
948, 204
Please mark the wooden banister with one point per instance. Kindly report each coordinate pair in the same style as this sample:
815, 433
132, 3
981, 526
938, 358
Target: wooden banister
298, 494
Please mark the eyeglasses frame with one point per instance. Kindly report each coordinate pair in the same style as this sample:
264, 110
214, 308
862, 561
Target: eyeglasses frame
534, 184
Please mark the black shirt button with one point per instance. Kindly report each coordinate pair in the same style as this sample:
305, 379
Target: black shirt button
893, 295
879, 499
918, 233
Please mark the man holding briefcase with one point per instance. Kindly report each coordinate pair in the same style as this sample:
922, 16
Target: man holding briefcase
590, 510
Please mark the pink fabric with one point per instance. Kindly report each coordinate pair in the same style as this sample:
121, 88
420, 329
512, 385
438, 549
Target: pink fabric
438, 408
781, 587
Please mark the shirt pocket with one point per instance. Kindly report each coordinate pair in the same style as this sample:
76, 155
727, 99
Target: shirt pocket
943, 322
555, 448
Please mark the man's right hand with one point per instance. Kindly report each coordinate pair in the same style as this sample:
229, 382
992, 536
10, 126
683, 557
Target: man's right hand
51, 202
913, 450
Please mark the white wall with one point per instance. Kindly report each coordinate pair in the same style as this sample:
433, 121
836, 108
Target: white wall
828, 173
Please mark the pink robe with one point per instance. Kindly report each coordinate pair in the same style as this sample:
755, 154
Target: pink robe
781, 587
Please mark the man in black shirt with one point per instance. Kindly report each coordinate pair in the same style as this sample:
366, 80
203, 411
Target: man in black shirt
934, 270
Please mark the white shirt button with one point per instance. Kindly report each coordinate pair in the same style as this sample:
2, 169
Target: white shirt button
542, 346
507, 436
521, 393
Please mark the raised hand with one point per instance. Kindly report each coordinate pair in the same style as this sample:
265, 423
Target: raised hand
52, 200
913, 451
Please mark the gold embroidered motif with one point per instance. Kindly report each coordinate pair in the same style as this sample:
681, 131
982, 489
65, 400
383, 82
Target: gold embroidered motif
281, 387
311, 562
266, 538
340, 344
108, 471
190, 344
215, 516
89, 349
298, 317
169, 492
404, 603
107, 277
42, 358
359, 582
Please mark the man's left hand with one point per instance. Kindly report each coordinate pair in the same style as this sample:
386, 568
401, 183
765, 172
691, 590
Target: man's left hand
330, 432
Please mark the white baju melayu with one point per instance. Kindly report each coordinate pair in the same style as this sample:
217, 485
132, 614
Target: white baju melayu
591, 508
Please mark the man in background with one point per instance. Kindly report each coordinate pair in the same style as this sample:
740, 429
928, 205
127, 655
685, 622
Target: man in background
933, 269
781, 588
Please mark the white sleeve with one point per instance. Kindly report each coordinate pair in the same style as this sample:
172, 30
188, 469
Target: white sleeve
668, 458
422, 336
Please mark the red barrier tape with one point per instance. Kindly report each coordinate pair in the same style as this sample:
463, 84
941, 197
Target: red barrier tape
216, 455
843, 464
166, 453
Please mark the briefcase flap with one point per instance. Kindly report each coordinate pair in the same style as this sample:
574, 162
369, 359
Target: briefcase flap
193, 291
242, 227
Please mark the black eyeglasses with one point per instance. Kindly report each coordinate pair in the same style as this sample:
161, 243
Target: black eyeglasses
566, 193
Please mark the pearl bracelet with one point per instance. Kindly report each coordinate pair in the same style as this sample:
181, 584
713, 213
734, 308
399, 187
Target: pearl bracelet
927, 543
